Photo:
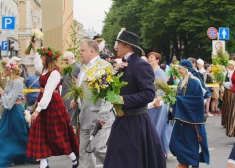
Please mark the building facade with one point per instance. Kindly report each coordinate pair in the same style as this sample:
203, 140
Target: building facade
30, 17
9, 8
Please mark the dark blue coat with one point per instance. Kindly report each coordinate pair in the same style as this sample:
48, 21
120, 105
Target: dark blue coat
134, 142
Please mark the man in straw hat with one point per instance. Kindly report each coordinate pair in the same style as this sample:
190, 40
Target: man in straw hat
133, 135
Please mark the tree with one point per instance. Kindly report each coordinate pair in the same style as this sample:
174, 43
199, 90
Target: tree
173, 27
74, 43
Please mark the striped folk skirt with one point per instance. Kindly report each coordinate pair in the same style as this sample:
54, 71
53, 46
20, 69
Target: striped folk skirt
225, 107
230, 125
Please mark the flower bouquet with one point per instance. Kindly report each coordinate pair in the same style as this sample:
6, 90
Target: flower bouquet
174, 70
221, 58
219, 73
104, 84
67, 70
170, 94
37, 36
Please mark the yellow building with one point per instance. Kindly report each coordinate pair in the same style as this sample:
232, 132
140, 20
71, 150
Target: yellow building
57, 19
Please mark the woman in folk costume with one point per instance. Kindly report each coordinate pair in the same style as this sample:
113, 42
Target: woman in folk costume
227, 94
159, 112
189, 132
14, 130
133, 141
50, 132
230, 125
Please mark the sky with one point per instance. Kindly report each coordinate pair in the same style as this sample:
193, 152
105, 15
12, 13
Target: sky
91, 13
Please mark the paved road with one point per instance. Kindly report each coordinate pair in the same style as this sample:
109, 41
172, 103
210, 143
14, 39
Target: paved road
219, 144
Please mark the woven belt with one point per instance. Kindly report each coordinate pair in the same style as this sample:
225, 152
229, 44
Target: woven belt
19, 102
42, 90
138, 111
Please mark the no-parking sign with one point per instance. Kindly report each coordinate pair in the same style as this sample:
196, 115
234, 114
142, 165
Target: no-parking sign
212, 33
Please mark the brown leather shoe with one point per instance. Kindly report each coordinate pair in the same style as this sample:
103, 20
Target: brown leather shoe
182, 166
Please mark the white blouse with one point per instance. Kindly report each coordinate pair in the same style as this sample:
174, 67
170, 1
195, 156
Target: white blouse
51, 84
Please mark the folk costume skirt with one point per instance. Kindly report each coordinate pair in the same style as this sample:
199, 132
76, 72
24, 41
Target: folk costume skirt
14, 133
134, 143
51, 134
164, 129
225, 107
230, 125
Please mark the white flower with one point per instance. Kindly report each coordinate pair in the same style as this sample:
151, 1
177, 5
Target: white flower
38, 34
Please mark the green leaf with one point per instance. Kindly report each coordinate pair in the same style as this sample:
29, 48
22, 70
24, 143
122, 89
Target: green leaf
113, 97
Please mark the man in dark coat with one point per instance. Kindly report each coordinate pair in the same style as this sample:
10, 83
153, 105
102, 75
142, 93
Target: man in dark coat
134, 142
66, 80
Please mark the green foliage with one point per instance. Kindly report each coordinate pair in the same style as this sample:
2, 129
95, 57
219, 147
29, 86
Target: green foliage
172, 27
170, 94
67, 70
74, 43
74, 92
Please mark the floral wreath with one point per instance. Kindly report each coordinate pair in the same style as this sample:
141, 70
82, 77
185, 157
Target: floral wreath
4, 61
13, 67
50, 52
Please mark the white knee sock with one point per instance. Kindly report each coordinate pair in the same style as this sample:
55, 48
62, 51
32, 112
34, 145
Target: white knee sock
73, 157
43, 163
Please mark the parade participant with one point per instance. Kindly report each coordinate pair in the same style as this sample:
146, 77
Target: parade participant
227, 93
189, 131
90, 114
101, 43
13, 127
69, 59
200, 66
230, 126
32, 83
50, 132
105, 57
134, 142
159, 114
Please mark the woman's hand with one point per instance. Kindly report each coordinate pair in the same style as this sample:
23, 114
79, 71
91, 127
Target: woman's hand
157, 103
33, 47
34, 116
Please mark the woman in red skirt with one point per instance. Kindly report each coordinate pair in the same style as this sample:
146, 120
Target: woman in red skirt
50, 132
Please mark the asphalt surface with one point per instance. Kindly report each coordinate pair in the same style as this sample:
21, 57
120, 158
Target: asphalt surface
219, 145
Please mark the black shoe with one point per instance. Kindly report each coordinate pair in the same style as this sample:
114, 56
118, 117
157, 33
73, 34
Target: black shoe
75, 166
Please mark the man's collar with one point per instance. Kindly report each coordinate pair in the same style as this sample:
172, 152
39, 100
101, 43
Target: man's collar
128, 55
93, 60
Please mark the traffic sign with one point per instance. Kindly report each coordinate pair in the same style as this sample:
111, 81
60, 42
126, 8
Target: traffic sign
8, 23
212, 33
4, 46
217, 45
224, 33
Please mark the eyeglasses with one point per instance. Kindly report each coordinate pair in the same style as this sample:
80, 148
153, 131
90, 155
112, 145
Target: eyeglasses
65, 59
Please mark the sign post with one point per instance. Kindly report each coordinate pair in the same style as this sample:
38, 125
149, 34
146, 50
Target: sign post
8, 25
216, 46
224, 33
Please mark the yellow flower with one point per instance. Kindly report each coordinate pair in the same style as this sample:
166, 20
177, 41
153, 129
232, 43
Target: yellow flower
99, 62
100, 80
96, 85
90, 84
109, 78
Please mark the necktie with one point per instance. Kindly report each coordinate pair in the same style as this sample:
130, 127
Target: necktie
124, 59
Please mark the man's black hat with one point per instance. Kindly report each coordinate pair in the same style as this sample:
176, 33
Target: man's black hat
97, 38
131, 39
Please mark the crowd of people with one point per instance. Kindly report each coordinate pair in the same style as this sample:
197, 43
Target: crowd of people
143, 137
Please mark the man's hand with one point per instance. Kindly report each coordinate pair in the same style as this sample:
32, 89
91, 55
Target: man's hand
120, 66
73, 105
34, 116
